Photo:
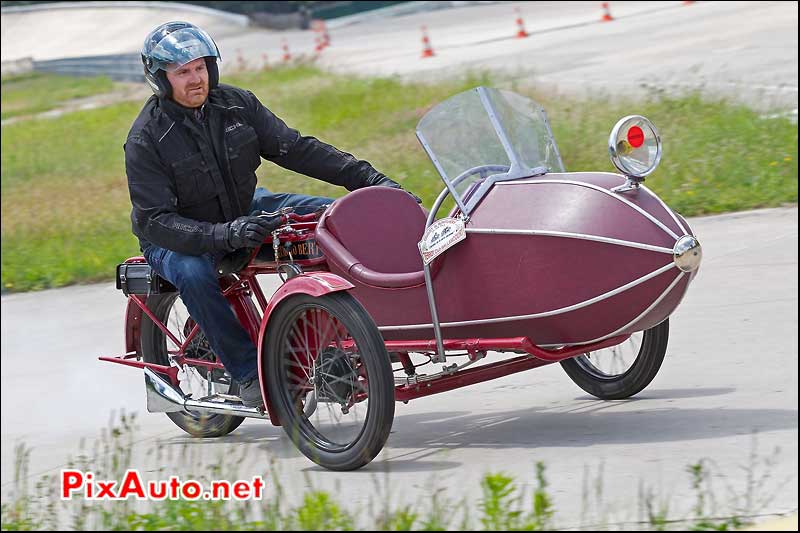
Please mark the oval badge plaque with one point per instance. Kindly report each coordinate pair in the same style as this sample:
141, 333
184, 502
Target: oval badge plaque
440, 236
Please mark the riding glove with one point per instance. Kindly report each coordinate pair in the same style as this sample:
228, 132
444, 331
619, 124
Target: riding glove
246, 232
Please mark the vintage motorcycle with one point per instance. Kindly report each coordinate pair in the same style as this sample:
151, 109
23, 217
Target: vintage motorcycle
580, 268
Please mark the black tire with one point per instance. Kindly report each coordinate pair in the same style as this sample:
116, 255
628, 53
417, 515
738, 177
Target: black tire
306, 383
169, 309
613, 385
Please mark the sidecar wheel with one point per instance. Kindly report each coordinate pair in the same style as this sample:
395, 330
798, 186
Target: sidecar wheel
170, 310
328, 351
607, 374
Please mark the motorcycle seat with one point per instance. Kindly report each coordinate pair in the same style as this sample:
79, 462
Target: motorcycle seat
372, 235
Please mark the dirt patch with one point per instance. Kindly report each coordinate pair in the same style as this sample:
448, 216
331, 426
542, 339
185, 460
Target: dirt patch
123, 92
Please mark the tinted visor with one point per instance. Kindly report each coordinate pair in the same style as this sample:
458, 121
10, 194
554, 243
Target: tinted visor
181, 47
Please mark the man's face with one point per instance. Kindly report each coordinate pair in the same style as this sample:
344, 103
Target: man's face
190, 83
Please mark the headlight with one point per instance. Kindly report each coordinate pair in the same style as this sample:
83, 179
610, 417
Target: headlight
635, 147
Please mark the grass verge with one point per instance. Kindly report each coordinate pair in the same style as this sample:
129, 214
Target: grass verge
504, 504
36, 92
65, 203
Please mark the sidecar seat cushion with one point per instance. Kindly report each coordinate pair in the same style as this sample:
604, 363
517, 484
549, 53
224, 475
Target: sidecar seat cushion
375, 231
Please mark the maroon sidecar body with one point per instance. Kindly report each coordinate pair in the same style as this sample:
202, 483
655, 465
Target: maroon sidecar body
559, 259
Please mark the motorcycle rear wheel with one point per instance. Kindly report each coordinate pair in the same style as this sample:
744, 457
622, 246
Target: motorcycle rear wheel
170, 310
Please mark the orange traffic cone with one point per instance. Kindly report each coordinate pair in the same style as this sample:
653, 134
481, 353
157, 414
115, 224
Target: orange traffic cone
607, 13
320, 35
286, 55
520, 26
326, 39
427, 50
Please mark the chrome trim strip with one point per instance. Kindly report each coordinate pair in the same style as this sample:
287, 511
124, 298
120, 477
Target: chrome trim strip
643, 313
562, 310
604, 191
667, 209
567, 235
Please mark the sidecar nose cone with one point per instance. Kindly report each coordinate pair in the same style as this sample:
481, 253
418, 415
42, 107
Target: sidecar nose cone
687, 253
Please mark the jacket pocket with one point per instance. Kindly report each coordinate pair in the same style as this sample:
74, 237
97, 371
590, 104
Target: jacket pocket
193, 182
243, 153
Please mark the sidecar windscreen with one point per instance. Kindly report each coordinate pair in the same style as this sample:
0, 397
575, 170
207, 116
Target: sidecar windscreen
485, 135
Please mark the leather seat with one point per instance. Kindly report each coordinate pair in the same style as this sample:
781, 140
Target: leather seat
372, 235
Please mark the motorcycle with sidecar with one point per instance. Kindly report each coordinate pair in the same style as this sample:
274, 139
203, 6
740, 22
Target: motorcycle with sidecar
382, 301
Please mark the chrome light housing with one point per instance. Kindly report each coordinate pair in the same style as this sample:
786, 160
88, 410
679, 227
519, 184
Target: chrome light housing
635, 149
687, 253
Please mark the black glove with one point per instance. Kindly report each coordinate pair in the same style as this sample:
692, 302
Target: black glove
417, 198
247, 232
382, 181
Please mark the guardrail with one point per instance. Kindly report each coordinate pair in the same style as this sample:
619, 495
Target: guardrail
118, 67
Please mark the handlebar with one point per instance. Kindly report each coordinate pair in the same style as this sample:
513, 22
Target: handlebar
288, 215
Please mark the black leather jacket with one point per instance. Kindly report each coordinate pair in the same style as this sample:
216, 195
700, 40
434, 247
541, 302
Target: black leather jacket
187, 176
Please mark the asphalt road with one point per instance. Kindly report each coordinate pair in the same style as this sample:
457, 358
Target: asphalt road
746, 51
727, 392
731, 367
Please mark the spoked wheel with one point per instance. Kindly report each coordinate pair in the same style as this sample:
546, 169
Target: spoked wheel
329, 379
169, 308
621, 371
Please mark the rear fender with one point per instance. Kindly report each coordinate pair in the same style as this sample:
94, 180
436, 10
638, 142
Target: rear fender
314, 284
133, 319
133, 328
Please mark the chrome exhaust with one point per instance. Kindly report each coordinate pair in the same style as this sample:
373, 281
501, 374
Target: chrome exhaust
162, 397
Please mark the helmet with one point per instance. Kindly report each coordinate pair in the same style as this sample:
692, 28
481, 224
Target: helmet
172, 45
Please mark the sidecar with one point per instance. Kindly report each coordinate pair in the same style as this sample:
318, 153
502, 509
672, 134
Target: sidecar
531, 263
560, 258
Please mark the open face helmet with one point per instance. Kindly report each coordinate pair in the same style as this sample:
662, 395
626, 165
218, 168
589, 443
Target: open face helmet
172, 45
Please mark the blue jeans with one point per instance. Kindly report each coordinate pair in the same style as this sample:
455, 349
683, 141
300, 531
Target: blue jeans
196, 280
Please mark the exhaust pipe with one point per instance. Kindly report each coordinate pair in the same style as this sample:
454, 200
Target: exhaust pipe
162, 397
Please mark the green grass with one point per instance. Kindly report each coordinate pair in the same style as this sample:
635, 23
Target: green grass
65, 204
506, 503
37, 92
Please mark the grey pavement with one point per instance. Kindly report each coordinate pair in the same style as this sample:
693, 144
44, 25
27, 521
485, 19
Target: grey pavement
727, 393
746, 51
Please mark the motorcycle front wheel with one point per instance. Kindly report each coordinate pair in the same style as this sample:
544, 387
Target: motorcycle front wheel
329, 379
